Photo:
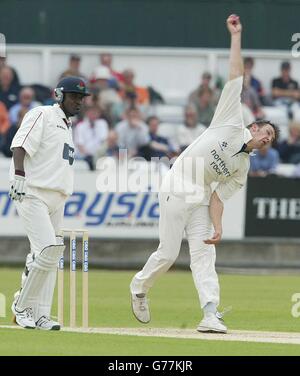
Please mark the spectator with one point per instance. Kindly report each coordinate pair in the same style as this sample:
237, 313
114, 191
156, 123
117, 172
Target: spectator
74, 67
285, 90
107, 96
205, 83
110, 147
115, 77
132, 132
15, 80
190, 130
250, 97
205, 106
90, 134
4, 122
12, 130
26, 100
142, 93
118, 109
264, 162
159, 146
253, 81
9, 92
289, 150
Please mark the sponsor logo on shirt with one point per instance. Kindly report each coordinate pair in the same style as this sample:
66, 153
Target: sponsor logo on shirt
61, 127
69, 153
218, 164
223, 145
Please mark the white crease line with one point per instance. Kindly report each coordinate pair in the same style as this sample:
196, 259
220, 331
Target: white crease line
232, 335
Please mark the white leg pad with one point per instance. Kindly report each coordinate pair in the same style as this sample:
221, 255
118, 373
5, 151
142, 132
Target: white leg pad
44, 264
46, 296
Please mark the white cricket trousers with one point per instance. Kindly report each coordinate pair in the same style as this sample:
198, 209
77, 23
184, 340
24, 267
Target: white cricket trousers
41, 213
177, 216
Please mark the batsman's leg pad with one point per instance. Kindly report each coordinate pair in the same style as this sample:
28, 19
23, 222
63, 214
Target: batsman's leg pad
59, 240
44, 263
28, 264
46, 296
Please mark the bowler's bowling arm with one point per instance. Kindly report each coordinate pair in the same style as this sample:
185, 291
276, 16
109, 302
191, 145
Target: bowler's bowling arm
236, 65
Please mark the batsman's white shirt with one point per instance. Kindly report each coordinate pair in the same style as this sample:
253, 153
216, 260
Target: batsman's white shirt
219, 148
46, 136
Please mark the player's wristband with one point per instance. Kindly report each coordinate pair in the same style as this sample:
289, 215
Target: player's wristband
20, 173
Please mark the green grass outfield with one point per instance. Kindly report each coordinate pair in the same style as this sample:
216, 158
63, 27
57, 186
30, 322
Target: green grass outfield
260, 303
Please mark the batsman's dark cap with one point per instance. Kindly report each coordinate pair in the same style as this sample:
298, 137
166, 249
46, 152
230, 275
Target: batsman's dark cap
73, 85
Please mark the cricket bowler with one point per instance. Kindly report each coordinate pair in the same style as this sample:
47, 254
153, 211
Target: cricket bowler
224, 148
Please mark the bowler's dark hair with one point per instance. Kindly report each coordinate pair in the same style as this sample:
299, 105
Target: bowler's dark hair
262, 123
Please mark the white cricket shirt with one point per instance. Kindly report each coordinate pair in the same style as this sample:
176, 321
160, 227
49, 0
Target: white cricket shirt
218, 148
46, 135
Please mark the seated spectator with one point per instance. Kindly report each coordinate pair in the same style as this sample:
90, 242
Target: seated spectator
110, 147
142, 93
205, 83
190, 130
26, 100
159, 146
74, 67
250, 97
90, 134
285, 90
10, 134
253, 81
15, 80
132, 132
118, 109
4, 122
289, 150
9, 91
205, 106
107, 96
106, 60
264, 162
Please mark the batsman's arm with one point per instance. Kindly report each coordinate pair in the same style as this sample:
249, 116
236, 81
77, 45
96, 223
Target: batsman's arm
236, 66
18, 157
216, 208
17, 188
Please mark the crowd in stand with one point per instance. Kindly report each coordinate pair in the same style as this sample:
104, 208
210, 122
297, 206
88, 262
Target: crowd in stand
120, 114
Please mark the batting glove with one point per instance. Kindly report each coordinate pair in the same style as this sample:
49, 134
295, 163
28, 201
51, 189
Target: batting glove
18, 187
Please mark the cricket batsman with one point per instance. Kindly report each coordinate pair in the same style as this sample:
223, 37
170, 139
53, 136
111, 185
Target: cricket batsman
224, 148
41, 179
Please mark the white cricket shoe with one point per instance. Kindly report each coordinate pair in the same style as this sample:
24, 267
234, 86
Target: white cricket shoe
24, 318
211, 324
140, 308
45, 323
